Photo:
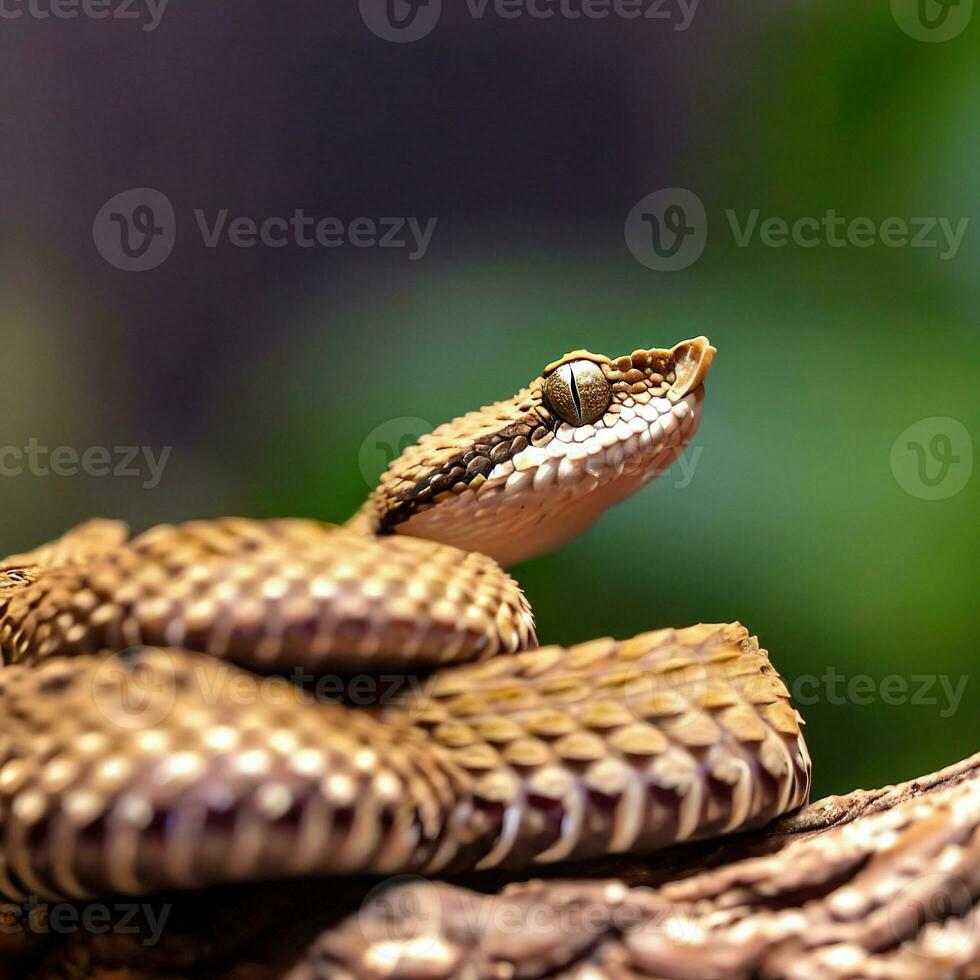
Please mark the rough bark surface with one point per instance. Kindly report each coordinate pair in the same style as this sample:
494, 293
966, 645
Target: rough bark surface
875, 884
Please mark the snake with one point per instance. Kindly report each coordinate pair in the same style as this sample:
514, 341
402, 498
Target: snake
239, 700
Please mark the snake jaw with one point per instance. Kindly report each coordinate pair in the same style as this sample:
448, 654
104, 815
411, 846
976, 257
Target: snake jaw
522, 476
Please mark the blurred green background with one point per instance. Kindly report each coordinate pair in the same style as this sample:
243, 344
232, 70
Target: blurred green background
269, 371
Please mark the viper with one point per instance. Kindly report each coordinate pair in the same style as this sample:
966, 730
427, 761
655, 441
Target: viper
163, 722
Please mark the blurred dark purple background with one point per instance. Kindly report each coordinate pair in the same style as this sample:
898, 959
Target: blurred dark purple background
265, 370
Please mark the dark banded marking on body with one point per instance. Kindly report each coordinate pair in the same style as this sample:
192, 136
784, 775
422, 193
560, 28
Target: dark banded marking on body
468, 468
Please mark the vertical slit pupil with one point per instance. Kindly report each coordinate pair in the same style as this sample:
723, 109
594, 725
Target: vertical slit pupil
575, 395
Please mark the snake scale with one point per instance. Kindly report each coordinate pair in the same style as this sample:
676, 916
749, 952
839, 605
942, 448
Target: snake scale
163, 720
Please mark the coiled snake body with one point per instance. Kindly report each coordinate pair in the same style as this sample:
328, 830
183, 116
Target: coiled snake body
163, 719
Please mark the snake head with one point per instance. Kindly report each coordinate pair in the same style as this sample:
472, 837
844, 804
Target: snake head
520, 477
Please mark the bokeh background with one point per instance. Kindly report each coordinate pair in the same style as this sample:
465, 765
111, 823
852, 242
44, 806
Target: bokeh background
269, 371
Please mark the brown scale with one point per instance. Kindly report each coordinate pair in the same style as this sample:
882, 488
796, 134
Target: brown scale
445, 464
272, 595
517, 760
463, 470
704, 699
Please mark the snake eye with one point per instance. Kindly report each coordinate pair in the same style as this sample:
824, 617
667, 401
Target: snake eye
578, 392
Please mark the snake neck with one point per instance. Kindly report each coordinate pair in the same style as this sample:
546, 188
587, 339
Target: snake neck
366, 520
